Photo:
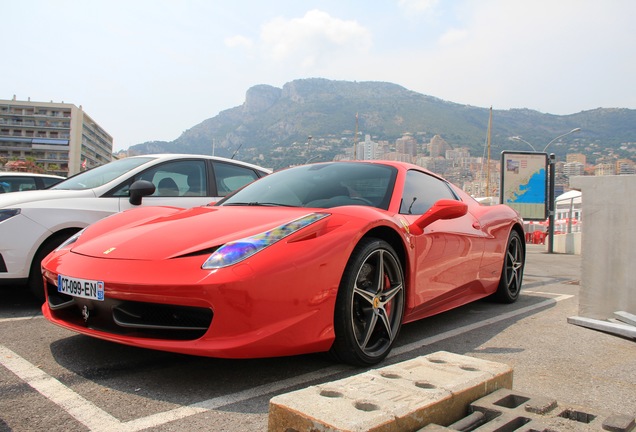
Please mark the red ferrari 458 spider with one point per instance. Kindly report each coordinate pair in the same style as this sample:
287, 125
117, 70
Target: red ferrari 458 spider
329, 257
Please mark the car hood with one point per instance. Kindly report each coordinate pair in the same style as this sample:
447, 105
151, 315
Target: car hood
37, 197
155, 233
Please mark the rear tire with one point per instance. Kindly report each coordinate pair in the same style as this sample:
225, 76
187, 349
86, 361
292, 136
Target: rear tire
512, 273
370, 304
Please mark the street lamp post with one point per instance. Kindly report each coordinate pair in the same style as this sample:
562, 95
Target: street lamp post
551, 185
551, 198
561, 136
518, 138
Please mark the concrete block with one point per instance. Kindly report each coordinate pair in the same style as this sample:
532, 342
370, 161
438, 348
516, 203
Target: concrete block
625, 330
436, 388
508, 410
619, 423
626, 317
608, 273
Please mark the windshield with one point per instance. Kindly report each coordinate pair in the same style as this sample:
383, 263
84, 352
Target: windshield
321, 186
101, 175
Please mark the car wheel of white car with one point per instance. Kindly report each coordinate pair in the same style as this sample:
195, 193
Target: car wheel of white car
36, 283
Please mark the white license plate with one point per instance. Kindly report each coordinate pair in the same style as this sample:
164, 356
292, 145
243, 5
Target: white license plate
90, 289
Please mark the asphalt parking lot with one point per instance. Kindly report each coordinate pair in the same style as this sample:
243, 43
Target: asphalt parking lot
52, 379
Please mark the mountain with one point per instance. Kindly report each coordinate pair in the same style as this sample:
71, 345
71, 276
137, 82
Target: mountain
272, 127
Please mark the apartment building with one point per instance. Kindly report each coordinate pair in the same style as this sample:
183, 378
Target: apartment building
407, 144
572, 169
59, 137
625, 167
576, 157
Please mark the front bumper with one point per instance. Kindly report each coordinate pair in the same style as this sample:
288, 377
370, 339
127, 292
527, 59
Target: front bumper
20, 239
254, 309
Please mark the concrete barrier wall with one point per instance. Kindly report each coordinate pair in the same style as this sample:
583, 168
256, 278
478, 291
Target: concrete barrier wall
608, 246
567, 243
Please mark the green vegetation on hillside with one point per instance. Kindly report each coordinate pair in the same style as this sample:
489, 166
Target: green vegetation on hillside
272, 119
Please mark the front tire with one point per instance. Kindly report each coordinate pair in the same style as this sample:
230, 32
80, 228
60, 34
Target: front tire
512, 272
36, 283
370, 304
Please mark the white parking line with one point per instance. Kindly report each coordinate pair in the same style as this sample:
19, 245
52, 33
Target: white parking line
81, 409
3, 320
96, 419
456, 332
221, 401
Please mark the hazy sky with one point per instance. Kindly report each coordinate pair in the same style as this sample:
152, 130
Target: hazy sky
150, 69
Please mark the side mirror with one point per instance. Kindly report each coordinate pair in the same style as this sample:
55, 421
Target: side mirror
442, 209
140, 189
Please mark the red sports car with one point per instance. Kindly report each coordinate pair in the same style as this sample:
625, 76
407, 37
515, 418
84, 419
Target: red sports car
322, 257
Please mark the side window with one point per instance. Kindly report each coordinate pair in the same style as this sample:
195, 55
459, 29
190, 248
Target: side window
180, 178
173, 179
230, 177
28, 184
197, 180
15, 184
421, 191
48, 181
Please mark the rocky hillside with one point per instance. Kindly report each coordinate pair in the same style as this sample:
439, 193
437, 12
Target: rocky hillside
274, 120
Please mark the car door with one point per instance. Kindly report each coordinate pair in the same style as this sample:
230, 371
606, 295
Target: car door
189, 183
230, 177
448, 253
172, 181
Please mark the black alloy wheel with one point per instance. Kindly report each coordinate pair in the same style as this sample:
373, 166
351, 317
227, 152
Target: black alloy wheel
370, 304
512, 272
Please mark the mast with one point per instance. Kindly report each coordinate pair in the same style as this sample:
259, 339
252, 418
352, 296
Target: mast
488, 160
355, 141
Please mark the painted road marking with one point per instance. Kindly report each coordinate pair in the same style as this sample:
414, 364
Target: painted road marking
464, 329
96, 419
3, 320
81, 409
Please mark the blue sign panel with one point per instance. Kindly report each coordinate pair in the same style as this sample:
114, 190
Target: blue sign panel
524, 183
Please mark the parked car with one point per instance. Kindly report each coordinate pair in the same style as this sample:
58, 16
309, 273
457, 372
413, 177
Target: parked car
325, 257
34, 223
20, 181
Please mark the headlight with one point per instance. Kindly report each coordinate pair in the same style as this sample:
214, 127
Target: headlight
236, 251
8, 213
72, 239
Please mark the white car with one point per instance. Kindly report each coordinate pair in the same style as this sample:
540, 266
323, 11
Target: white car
11, 181
34, 223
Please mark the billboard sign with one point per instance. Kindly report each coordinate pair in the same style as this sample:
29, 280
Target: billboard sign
524, 183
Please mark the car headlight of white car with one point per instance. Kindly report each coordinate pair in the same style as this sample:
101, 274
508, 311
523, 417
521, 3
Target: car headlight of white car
72, 239
8, 213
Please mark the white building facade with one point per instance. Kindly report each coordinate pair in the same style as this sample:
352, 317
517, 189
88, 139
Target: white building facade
59, 137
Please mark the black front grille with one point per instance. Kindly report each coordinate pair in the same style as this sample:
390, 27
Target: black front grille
3, 265
148, 315
131, 318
